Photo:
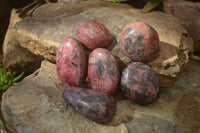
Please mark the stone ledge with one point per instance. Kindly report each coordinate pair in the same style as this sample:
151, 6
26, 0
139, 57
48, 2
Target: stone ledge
36, 105
43, 33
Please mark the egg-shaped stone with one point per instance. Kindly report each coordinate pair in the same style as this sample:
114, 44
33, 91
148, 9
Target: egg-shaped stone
94, 105
103, 71
140, 42
140, 83
93, 34
71, 63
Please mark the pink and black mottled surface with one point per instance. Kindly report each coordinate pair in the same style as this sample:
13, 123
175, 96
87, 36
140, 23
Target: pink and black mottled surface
140, 42
93, 34
94, 105
71, 63
140, 83
103, 72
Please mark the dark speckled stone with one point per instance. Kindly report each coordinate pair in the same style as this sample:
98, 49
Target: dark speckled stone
71, 63
140, 83
103, 72
93, 34
140, 42
94, 105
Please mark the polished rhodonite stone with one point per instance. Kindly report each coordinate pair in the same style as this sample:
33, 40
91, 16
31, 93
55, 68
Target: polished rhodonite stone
140, 42
103, 72
71, 62
93, 34
94, 105
140, 83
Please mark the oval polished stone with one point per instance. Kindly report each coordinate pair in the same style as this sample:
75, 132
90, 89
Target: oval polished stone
94, 105
93, 34
140, 83
140, 42
71, 63
103, 72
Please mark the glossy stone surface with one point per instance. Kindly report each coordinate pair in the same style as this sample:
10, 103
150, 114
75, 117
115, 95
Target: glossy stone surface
71, 63
94, 105
140, 42
174, 39
93, 34
140, 83
103, 72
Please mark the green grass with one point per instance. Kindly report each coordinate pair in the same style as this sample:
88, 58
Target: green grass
151, 4
1, 123
8, 79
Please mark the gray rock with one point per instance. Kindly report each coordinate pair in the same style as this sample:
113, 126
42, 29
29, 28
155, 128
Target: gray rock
184, 10
36, 105
188, 13
17, 58
51, 23
71, 2
151, 124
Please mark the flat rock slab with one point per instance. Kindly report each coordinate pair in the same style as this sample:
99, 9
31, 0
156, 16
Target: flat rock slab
38, 107
35, 105
43, 33
188, 12
15, 57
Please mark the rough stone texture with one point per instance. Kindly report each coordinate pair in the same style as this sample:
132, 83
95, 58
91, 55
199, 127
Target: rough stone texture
189, 13
71, 2
193, 29
36, 105
17, 58
184, 10
43, 33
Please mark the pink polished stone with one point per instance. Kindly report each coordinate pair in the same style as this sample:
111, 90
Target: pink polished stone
103, 72
71, 63
93, 34
140, 42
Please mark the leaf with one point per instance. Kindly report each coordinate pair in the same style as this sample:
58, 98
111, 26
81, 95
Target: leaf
1, 123
8, 79
13, 75
15, 83
151, 4
18, 77
4, 79
5, 87
10, 82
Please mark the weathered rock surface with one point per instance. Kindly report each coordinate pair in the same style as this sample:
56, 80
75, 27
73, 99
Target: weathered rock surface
17, 58
184, 10
43, 33
189, 13
36, 105
71, 2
